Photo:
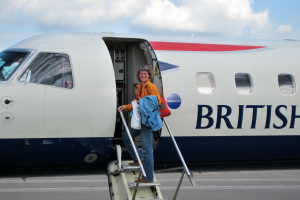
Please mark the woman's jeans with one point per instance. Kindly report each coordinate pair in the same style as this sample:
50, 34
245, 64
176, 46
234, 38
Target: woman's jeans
147, 153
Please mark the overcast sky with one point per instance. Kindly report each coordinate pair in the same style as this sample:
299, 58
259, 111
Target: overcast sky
258, 19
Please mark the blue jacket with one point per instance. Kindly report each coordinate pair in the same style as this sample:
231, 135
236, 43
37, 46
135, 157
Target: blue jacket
150, 112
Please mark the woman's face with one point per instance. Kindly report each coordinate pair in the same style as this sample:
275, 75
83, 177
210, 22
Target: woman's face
144, 76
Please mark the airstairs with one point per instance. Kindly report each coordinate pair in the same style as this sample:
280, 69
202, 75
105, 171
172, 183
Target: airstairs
122, 177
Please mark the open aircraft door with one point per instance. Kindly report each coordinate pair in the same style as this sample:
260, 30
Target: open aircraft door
127, 55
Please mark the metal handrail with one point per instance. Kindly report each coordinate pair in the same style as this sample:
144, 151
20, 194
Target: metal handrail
132, 143
178, 151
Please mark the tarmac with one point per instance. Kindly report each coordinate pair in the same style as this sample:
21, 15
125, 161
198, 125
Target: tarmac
238, 185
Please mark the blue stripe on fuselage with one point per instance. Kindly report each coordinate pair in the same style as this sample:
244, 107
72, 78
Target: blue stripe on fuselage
54, 152
229, 148
72, 151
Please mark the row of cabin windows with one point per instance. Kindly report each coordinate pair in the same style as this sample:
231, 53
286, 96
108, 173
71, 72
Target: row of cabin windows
55, 69
243, 83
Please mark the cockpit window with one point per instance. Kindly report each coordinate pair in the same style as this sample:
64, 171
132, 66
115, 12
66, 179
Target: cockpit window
50, 69
9, 62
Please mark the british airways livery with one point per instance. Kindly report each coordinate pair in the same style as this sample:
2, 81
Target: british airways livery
233, 102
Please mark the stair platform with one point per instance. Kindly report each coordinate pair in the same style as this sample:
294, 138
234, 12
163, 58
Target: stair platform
133, 184
125, 167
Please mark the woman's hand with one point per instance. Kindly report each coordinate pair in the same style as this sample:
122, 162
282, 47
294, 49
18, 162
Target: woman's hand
121, 108
138, 102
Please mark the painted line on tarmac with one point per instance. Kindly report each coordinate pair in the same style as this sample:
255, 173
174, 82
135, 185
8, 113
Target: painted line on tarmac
69, 189
218, 180
53, 181
76, 189
285, 187
160, 180
287, 175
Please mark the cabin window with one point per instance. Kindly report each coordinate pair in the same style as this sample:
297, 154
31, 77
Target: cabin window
205, 83
243, 83
287, 84
50, 69
9, 62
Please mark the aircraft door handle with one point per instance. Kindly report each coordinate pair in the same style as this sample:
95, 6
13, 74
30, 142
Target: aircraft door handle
7, 101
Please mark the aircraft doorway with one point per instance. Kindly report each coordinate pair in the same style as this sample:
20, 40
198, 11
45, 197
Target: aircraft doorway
127, 56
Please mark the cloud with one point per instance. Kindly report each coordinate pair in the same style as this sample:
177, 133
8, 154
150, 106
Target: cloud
230, 18
63, 14
163, 14
284, 28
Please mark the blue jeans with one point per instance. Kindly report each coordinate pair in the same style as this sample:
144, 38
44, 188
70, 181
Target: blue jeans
147, 153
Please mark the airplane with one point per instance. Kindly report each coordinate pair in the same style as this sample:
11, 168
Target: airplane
234, 102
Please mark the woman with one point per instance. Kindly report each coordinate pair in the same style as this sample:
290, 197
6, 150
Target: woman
144, 88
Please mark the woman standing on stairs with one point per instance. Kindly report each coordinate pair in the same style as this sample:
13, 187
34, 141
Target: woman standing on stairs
144, 88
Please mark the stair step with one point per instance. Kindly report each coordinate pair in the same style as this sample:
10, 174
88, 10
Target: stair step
133, 184
124, 167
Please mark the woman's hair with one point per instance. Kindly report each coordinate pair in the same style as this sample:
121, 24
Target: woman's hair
147, 68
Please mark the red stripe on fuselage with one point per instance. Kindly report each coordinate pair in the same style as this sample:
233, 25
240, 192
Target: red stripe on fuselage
178, 46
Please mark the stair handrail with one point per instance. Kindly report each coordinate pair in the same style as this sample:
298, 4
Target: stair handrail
177, 148
132, 143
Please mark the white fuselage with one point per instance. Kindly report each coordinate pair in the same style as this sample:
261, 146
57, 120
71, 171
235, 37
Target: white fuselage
217, 124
